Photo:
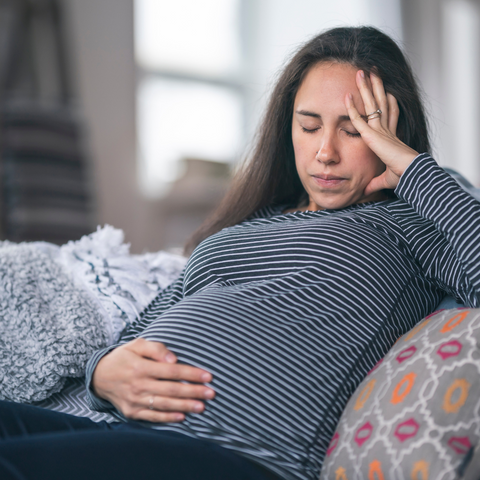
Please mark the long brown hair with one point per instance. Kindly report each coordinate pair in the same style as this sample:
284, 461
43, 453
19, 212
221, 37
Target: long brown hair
269, 175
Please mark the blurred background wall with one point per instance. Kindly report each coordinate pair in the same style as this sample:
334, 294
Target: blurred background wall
170, 92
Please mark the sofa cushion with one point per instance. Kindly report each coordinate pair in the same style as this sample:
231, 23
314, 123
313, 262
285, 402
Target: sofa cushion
417, 413
448, 303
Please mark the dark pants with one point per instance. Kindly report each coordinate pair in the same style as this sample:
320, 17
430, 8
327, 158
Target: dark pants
40, 444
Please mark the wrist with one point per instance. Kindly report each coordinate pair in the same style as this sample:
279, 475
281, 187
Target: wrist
405, 161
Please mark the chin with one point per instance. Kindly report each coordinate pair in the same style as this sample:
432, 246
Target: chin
334, 203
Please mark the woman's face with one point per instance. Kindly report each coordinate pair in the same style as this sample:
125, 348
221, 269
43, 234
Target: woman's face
333, 162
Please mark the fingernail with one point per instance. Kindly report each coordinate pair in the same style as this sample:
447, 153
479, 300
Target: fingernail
198, 407
362, 74
350, 96
179, 417
209, 394
170, 358
206, 377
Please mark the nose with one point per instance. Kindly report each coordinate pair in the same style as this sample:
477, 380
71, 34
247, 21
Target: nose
327, 152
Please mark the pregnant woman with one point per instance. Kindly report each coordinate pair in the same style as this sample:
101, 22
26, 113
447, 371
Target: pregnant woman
338, 236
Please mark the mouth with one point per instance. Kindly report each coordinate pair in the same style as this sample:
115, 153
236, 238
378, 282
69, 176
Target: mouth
328, 180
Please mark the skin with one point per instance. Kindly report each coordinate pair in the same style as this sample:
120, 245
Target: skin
132, 375
335, 164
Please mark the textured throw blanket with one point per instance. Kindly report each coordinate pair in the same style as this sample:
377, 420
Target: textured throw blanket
49, 327
60, 304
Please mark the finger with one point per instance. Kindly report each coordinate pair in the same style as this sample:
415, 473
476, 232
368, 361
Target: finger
393, 113
159, 417
367, 96
154, 350
387, 180
376, 184
380, 98
357, 120
178, 390
165, 371
167, 404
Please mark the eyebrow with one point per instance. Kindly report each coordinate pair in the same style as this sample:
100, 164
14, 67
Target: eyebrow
342, 118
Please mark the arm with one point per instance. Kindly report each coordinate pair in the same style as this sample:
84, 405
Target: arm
454, 261
141, 378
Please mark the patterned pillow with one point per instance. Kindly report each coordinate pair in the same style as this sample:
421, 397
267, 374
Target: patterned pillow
417, 413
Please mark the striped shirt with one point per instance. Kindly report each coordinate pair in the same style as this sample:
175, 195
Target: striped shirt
290, 311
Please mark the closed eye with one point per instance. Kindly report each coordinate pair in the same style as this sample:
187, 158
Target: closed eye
309, 130
350, 134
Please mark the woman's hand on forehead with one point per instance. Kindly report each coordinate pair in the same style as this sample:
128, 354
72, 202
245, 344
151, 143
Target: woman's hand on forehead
379, 132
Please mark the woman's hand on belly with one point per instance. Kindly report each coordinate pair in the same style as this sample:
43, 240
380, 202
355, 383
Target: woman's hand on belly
143, 381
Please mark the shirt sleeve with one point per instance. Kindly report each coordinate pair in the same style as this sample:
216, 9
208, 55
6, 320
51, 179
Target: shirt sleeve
162, 302
451, 259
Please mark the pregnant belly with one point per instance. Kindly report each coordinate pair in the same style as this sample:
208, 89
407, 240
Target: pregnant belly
249, 349
270, 369
270, 352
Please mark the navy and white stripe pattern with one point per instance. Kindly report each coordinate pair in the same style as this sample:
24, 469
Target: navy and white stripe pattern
72, 400
290, 311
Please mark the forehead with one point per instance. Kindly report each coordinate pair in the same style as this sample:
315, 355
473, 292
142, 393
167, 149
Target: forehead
326, 85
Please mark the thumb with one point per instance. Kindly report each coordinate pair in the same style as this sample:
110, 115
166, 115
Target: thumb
376, 184
154, 350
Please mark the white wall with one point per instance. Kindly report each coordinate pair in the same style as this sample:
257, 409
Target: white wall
442, 38
461, 73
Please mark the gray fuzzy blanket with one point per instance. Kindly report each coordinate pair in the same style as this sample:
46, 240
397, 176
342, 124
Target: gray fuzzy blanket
49, 326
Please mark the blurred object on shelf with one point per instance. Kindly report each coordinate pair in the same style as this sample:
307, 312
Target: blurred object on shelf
46, 187
191, 199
